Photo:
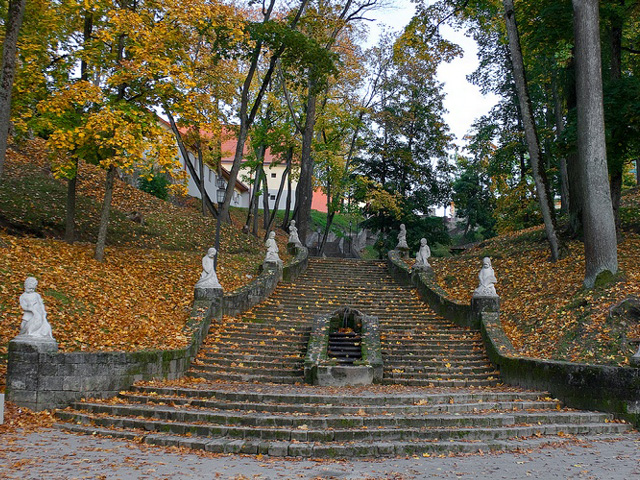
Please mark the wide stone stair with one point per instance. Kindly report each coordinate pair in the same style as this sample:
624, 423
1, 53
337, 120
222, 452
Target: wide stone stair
245, 392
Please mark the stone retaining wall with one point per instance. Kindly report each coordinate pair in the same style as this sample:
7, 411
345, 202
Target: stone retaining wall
40, 379
593, 387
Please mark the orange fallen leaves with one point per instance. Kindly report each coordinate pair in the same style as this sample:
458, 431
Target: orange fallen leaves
140, 297
544, 309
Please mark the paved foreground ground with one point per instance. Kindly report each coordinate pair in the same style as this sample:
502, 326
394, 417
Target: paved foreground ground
52, 454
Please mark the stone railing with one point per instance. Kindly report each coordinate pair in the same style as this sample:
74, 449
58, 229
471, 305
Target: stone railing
39, 378
597, 387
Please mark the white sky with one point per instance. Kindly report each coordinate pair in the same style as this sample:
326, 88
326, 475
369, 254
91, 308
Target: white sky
463, 101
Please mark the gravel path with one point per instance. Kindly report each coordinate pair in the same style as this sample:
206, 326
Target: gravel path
52, 454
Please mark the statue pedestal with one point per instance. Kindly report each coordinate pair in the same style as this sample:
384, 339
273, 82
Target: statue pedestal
635, 359
208, 293
404, 252
27, 356
480, 304
30, 344
271, 265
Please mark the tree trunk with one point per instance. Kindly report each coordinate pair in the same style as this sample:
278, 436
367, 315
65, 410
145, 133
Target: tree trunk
256, 199
600, 246
616, 168
574, 173
531, 134
200, 180
70, 217
265, 200
305, 184
9, 48
72, 184
287, 209
254, 193
559, 120
285, 175
104, 216
185, 155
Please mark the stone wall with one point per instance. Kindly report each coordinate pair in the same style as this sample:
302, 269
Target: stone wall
594, 387
38, 378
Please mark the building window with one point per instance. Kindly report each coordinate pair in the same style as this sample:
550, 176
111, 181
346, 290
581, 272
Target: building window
210, 176
273, 175
273, 197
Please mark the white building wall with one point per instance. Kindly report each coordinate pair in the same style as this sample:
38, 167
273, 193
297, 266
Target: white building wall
240, 199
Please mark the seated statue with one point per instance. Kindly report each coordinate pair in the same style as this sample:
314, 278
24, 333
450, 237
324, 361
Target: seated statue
209, 278
487, 279
34, 320
293, 233
402, 238
272, 249
422, 257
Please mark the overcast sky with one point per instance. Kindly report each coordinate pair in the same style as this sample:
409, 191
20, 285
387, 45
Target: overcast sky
463, 101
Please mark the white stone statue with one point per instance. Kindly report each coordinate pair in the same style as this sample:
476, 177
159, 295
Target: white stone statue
293, 233
209, 278
402, 238
34, 320
272, 249
422, 257
487, 279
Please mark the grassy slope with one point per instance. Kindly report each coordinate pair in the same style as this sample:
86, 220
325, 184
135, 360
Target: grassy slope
139, 297
546, 311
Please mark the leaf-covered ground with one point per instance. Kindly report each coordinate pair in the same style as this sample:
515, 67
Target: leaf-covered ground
544, 308
139, 297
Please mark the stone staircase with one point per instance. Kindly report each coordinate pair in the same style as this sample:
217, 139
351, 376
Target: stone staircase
244, 392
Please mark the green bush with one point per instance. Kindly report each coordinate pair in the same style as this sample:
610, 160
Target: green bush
157, 185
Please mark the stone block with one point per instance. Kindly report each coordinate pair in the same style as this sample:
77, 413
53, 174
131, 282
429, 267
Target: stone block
210, 294
49, 382
24, 398
485, 304
1, 408
32, 345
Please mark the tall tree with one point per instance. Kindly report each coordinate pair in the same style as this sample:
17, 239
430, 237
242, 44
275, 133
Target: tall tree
600, 245
278, 36
9, 47
528, 120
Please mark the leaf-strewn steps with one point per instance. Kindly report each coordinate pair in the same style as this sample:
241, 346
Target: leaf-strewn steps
244, 392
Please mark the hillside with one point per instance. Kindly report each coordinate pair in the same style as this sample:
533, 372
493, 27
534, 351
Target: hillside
545, 309
140, 297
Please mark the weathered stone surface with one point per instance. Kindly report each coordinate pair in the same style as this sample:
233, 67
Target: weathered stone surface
1, 408
627, 310
340, 376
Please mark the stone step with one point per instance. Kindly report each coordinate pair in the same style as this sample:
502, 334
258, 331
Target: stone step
458, 383
294, 371
487, 430
421, 407
335, 450
244, 377
224, 361
292, 420
439, 370
346, 396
